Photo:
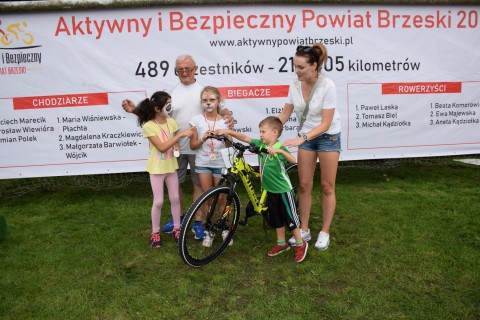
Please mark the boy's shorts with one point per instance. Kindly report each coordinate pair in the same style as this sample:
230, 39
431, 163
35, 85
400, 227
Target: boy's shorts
282, 210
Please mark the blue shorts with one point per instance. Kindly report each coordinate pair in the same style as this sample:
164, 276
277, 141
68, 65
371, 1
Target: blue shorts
325, 142
216, 172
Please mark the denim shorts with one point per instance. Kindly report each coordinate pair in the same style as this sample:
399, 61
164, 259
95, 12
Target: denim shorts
325, 142
216, 172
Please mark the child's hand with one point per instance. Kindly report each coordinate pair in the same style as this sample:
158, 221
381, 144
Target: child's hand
221, 132
188, 132
194, 130
273, 151
206, 135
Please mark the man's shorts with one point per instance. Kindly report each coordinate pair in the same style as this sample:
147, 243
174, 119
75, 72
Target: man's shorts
183, 161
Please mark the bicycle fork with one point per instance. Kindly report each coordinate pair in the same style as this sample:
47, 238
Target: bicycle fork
227, 211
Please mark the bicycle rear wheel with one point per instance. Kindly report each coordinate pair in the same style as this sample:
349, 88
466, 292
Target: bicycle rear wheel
292, 171
219, 216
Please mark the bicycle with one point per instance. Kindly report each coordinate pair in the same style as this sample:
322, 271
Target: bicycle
219, 207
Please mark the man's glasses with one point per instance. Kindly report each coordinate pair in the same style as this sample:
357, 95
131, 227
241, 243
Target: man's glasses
304, 49
186, 70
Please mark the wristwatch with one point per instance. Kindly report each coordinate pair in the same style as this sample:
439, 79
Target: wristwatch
305, 137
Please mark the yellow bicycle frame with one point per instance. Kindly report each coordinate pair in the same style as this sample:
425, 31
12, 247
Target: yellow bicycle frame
242, 169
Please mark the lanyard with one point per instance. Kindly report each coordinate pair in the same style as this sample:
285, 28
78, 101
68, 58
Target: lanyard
212, 143
262, 168
164, 134
277, 145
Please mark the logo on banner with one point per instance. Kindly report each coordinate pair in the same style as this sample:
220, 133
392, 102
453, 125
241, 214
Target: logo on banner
17, 49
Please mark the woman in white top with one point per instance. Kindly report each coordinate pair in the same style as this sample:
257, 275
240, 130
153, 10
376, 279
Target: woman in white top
318, 135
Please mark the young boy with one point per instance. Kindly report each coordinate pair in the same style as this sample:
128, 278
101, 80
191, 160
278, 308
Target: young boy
282, 210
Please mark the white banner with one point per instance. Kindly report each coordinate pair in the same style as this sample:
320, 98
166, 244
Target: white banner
407, 78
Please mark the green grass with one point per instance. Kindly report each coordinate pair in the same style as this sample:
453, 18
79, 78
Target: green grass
405, 245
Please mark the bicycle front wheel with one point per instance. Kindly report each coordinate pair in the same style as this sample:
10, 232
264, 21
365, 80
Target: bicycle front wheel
218, 214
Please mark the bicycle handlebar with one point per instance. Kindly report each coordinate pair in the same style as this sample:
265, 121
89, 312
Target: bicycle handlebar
257, 150
239, 146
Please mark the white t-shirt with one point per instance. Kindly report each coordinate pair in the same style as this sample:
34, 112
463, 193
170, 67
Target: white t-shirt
186, 103
211, 146
324, 97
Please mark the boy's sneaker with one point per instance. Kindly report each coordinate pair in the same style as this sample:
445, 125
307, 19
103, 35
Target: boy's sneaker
224, 236
155, 241
168, 227
277, 249
305, 236
323, 241
176, 236
208, 240
198, 230
301, 251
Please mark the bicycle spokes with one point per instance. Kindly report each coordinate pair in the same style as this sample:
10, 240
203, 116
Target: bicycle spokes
219, 218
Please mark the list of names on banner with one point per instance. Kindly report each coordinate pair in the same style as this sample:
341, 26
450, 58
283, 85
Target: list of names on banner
379, 113
72, 132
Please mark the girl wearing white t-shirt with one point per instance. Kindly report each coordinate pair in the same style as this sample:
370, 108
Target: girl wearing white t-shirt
208, 159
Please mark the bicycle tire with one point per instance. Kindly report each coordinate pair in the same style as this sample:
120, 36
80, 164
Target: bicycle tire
292, 170
192, 250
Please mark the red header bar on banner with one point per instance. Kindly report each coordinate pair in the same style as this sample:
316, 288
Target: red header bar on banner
61, 101
421, 87
254, 92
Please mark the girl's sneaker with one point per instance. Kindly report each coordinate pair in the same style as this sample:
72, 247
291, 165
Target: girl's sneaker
155, 240
176, 236
224, 236
208, 240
